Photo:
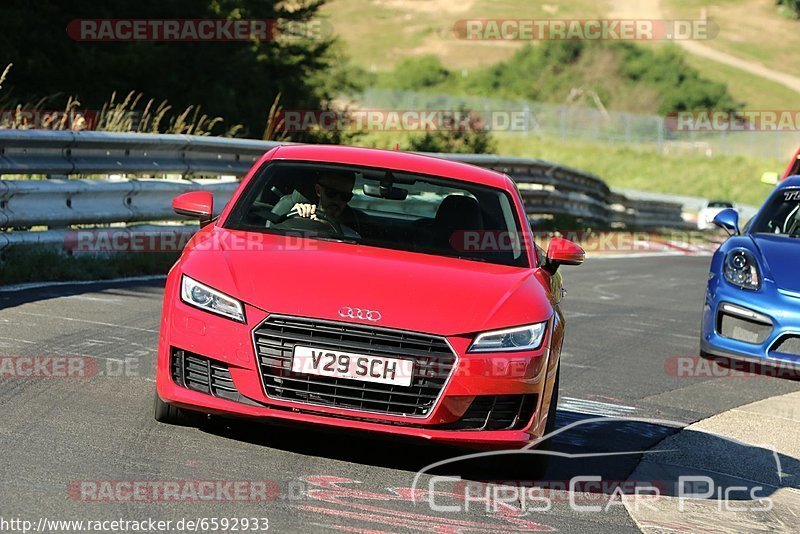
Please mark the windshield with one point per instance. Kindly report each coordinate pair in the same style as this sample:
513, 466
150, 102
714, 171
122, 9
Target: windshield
780, 215
382, 208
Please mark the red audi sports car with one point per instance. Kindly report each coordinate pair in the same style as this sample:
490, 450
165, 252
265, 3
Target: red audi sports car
369, 290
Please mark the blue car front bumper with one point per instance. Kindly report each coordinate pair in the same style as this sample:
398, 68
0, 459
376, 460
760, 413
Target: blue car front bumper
771, 319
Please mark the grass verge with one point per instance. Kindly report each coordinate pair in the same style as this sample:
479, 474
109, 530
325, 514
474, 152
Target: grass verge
727, 177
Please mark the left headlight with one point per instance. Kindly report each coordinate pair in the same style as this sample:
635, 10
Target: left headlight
510, 339
201, 296
740, 269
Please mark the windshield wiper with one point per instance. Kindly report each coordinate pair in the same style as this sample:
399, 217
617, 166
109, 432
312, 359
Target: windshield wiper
337, 240
472, 258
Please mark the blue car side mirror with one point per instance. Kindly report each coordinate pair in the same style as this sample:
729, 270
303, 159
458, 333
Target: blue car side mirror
729, 220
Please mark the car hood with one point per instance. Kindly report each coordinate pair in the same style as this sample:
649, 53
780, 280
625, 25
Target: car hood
782, 256
416, 292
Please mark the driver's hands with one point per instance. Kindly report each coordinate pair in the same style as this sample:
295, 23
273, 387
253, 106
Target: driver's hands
308, 211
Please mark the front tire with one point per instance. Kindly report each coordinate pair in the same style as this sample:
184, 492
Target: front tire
538, 464
552, 410
172, 415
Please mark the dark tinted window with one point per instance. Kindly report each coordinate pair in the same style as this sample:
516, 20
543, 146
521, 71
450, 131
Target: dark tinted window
381, 208
780, 215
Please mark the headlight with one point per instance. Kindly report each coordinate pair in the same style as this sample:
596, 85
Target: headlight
201, 296
740, 269
511, 339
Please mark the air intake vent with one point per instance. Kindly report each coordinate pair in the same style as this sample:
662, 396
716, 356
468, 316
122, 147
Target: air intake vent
788, 344
205, 375
496, 412
740, 329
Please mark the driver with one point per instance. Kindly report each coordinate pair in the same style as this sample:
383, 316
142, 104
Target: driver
333, 189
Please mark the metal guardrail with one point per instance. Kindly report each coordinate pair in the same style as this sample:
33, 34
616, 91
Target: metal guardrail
547, 188
65, 152
60, 203
690, 205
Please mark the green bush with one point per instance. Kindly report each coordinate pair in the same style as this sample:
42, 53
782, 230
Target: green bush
793, 5
551, 70
472, 138
681, 86
453, 142
416, 73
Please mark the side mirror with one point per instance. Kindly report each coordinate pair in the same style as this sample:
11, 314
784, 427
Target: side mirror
729, 220
563, 252
198, 204
770, 178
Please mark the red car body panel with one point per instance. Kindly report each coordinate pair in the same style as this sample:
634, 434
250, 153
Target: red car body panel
794, 166
436, 295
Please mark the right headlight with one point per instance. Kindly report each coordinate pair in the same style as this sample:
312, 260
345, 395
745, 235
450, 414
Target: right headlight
740, 269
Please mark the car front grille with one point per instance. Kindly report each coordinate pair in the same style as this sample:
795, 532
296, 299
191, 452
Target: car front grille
277, 336
205, 375
496, 412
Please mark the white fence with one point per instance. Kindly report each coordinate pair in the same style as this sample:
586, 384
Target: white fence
572, 122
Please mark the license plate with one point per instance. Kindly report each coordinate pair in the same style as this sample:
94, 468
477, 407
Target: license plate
333, 363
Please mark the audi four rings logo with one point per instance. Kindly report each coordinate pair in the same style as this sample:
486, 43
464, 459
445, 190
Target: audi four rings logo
358, 313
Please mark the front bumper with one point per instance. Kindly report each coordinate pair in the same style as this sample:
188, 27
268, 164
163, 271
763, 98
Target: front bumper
474, 379
777, 321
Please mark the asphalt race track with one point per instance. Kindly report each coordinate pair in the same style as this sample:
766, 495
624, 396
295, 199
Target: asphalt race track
627, 320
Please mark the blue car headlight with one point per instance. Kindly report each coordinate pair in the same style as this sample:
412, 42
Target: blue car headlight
740, 269
206, 298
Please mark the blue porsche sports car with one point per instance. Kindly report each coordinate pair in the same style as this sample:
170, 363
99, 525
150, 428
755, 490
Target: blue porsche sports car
752, 306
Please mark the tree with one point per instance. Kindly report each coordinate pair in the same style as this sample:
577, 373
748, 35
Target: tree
464, 137
793, 5
235, 80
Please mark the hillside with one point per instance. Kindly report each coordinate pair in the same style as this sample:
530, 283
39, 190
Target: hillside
375, 41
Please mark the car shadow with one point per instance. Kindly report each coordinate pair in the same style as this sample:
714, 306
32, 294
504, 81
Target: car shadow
10, 299
614, 449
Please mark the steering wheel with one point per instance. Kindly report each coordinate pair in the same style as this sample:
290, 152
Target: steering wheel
322, 219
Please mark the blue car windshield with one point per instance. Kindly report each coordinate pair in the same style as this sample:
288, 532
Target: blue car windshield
780, 215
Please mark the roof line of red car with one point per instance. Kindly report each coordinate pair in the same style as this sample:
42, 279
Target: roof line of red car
394, 160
